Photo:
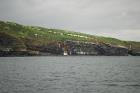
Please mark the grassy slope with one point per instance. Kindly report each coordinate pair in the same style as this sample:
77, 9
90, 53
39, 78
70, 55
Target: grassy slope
41, 36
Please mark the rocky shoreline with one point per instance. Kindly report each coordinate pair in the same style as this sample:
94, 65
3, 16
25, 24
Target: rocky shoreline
72, 48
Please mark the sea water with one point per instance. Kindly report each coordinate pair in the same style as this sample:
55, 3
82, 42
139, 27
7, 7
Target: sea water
70, 74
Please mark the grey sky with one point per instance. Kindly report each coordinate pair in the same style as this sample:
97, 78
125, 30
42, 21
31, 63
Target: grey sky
112, 18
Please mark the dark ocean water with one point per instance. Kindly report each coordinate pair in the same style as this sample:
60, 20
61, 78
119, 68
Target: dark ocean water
80, 74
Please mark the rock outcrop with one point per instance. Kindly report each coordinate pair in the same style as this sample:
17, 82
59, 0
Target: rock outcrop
89, 48
72, 48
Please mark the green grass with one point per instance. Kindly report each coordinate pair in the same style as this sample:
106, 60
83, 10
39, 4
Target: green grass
38, 36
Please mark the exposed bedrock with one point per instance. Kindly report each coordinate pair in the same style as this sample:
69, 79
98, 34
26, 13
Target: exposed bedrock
89, 48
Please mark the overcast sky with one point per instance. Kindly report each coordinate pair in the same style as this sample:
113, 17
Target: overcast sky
112, 18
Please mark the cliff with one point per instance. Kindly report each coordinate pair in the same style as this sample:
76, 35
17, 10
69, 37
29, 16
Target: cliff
20, 40
89, 48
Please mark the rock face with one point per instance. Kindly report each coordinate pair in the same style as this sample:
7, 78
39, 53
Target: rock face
89, 48
134, 52
72, 48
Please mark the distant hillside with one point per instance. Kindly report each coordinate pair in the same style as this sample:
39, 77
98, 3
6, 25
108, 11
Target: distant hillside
19, 37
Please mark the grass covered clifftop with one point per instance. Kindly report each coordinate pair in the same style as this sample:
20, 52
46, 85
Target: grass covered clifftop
19, 37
